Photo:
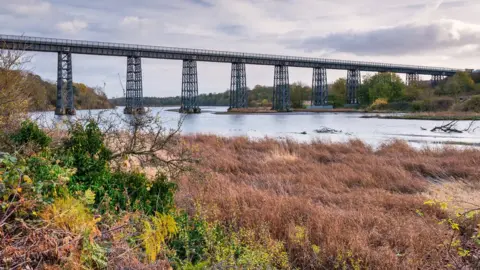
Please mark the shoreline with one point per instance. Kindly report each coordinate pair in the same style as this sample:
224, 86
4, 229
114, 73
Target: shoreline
429, 116
269, 111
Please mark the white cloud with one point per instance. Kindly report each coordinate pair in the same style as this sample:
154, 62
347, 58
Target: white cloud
72, 27
133, 21
400, 39
29, 7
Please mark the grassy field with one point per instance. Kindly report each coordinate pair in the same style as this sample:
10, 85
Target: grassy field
336, 205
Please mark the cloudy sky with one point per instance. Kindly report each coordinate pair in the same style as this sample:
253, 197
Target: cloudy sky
424, 32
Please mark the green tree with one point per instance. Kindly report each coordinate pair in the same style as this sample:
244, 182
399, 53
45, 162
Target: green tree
382, 85
298, 94
459, 83
338, 92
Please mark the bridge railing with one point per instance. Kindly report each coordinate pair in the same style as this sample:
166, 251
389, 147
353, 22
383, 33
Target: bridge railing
110, 45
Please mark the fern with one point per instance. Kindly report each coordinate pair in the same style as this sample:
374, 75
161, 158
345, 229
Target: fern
93, 256
71, 215
89, 197
156, 233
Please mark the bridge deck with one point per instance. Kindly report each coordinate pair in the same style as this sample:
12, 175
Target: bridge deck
119, 49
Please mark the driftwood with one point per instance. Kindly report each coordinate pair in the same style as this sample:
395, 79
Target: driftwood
327, 130
450, 127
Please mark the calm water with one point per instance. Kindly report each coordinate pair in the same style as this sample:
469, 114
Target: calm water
290, 125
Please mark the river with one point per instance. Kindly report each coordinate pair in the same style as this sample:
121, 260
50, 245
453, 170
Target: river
289, 125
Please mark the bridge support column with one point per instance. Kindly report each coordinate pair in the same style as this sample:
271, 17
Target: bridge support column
65, 85
319, 87
189, 103
436, 80
134, 86
412, 78
353, 83
281, 89
238, 87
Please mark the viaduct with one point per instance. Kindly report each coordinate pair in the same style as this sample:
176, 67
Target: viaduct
238, 87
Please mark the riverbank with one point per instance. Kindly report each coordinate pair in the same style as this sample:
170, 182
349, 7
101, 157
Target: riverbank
334, 203
444, 116
259, 110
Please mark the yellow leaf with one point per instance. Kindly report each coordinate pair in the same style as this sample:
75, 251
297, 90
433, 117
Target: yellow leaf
443, 205
463, 252
429, 202
455, 226
19, 189
456, 243
27, 179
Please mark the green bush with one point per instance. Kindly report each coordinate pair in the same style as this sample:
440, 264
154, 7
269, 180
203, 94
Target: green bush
30, 133
85, 151
134, 191
399, 106
433, 105
49, 178
472, 105
190, 242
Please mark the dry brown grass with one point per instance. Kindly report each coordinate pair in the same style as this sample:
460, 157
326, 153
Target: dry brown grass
348, 197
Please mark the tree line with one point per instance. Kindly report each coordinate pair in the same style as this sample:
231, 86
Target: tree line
41, 95
259, 96
380, 91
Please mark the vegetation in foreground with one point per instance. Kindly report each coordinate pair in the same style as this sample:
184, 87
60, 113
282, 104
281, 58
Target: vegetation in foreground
77, 203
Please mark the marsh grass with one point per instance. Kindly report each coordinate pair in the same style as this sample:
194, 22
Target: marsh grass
353, 205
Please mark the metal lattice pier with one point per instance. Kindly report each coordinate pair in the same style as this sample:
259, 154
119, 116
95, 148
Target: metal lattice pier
238, 87
189, 102
353, 83
281, 89
65, 102
134, 86
319, 87
412, 78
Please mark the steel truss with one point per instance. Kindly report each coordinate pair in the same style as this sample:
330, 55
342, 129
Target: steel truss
134, 87
319, 87
159, 52
65, 85
281, 89
238, 86
436, 79
189, 103
412, 78
353, 83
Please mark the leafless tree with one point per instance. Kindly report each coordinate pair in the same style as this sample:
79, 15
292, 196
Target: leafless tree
143, 142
